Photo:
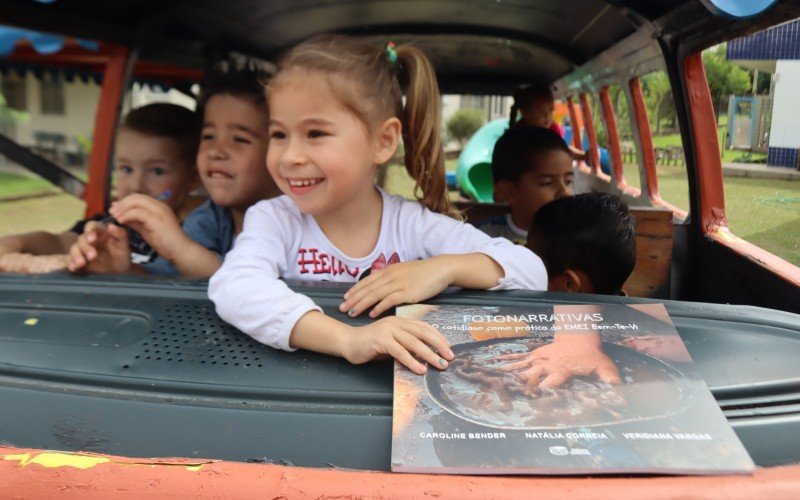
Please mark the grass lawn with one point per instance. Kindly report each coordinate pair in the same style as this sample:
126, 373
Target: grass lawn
728, 155
765, 212
55, 213
20, 185
673, 184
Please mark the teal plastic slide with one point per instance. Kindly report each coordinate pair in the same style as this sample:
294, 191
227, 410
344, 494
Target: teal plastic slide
474, 170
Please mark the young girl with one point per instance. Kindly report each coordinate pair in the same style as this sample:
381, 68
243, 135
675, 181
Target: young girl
533, 107
336, 112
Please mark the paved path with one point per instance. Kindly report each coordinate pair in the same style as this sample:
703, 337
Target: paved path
759, 171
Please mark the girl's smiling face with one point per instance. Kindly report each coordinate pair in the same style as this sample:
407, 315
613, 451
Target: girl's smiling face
320, 153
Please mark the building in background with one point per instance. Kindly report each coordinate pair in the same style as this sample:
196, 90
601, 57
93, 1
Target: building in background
776, 51
54, 116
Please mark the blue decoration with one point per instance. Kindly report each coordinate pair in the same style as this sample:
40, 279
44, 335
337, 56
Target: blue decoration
738, 9
43, 43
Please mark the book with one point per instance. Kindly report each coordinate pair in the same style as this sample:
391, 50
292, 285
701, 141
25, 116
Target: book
561, 389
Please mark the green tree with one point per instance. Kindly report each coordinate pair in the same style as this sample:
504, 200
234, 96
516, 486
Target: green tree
620, 103
658, 99
463, 124
724, 77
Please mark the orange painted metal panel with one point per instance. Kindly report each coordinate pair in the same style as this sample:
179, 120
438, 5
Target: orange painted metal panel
648, 153
614, 148
73, 56
706, 145
29, 473
710, 179
594, 148
646, 140
105, 126
574, 123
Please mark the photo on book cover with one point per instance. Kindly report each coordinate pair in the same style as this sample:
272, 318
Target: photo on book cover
561, 389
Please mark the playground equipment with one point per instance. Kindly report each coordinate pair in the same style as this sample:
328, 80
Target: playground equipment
474, 170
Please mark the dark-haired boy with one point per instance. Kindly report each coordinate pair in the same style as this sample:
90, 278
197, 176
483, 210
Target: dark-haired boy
587, 243
531, 167
230, 160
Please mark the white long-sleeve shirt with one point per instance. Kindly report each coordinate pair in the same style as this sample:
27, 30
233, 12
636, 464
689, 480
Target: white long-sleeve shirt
278, 241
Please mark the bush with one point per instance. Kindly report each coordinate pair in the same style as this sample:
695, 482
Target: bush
463, 124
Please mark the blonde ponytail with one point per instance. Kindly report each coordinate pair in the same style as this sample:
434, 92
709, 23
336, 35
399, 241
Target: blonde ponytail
424, 155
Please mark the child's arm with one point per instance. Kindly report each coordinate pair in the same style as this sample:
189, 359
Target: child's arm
26, 263
248, 294
38, 243
458, 254
159, 227
405, 340
415, 281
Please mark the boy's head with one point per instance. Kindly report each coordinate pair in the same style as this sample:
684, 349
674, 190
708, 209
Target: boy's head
155, 153
233, 141
587, 243
531, 166
533, 105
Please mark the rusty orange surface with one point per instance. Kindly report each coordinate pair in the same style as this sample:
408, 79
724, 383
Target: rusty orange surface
30, 473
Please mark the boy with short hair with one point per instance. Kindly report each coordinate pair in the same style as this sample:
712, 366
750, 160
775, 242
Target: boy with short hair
231, 161
154, 156
531, 166
587, 243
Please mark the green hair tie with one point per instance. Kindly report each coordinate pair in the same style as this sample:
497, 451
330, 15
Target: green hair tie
391, 54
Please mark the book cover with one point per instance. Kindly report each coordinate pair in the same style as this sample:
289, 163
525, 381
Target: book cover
562, 389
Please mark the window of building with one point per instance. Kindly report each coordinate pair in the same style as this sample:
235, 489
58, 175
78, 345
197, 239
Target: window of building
12, 86
497, 107
52, 95
472, 102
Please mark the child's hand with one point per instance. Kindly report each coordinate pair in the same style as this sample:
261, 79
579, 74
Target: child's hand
555, 364
32, 264
154, 220
401, 283
402, 339
101, 249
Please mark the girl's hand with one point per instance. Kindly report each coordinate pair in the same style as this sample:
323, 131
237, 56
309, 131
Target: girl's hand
401, 283
155, 221
101, 249
405, 340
